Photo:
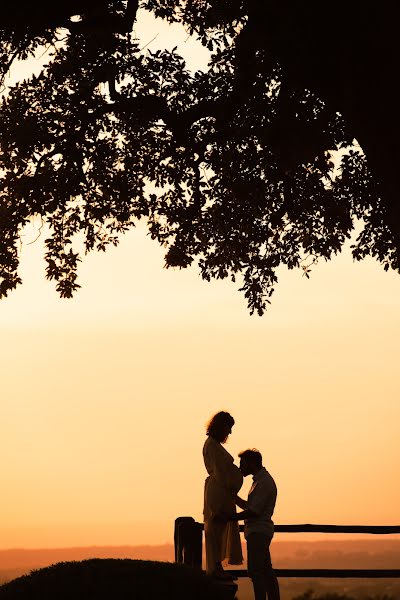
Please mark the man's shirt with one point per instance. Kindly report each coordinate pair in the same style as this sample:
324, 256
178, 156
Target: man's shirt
261, 500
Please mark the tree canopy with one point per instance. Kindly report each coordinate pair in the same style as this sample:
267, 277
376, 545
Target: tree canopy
232, 166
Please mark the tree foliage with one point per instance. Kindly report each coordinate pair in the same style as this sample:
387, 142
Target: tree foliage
231, 167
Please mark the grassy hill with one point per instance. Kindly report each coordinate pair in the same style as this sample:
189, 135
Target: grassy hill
119, 579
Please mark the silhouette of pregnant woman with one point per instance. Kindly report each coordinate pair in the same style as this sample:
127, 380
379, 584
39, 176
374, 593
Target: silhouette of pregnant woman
221, 487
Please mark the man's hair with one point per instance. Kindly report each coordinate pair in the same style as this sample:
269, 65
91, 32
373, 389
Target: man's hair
252, 456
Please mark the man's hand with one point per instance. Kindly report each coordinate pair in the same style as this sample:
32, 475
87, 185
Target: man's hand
241, 503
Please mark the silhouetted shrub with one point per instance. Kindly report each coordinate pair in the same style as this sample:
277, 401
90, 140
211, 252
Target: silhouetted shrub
113, 579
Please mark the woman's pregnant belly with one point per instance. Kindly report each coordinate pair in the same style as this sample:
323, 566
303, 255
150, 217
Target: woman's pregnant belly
236, 479
220, 498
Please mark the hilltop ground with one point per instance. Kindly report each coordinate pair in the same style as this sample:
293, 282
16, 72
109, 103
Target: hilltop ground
361, 553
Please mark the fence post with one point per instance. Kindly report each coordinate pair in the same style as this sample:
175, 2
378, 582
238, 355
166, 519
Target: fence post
188, 540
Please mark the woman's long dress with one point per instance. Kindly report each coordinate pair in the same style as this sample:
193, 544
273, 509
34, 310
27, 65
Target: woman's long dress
221, 486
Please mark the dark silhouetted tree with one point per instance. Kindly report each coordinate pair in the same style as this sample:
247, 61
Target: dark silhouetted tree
231, 167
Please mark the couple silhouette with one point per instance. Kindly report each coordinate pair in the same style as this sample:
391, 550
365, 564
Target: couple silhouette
221, 525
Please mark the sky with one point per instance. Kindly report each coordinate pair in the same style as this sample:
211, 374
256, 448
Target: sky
105, 397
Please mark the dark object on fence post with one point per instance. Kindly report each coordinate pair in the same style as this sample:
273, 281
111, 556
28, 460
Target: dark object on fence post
188, 539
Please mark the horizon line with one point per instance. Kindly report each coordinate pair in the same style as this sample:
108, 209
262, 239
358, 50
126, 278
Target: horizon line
171, 544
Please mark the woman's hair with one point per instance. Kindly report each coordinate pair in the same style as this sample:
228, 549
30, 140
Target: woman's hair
217, 424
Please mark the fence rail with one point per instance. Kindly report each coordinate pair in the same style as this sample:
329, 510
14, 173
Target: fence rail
333, 573
188, 539
373, 529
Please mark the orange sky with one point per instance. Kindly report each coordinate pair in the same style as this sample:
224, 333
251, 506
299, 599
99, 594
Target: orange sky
105, 397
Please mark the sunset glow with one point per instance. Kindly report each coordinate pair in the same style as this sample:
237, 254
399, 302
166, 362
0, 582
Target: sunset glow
105, 397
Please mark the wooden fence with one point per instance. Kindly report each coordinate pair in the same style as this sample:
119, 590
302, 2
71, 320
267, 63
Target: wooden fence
188, 538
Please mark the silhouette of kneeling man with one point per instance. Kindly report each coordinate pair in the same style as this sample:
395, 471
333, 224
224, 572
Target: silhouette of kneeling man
257, 514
